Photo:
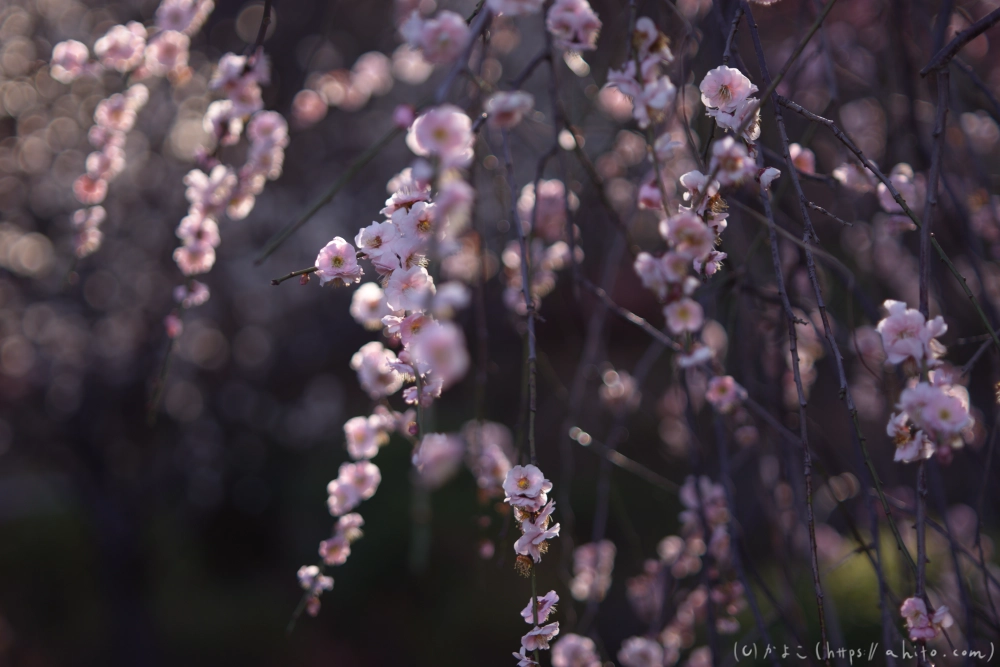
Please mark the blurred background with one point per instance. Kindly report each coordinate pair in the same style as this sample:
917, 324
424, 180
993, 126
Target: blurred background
126, 542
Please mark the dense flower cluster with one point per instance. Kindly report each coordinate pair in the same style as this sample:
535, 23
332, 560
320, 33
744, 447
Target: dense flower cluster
142, 53
933, 415
920, 624
704, 542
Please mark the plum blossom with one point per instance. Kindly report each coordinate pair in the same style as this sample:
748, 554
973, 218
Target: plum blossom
167, 53
546, 605
684, 315
803, 158
438, 458
122, 47
911, 444
376, 374
337, 262
441, 39
191, 294
364, 436
507, 109
70, 60
444, 132
574, 650
185, 16
539, 637
535, 531
526, 487
409, 289
524, 660
921, 626
440, 351
907, 336
355, 482
336, 550
731, 162
593, 564
724, 88
724, 393
767, 177
640, 652
87, 237
314, 583
368, 306
574, 25
688, 234
938, 410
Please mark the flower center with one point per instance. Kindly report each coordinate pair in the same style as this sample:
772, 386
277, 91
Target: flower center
337, 262
522, 483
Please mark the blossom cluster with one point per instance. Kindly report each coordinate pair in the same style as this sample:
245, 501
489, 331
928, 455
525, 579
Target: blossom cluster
527, 492
132, 49
651, 91
545, 218
920, 624
704, 534
934, 414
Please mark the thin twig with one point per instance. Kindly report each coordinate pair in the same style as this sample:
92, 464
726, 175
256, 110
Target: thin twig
944, 56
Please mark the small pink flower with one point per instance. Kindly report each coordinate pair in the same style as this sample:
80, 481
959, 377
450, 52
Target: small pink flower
440, 351
724, 393
362, 438
337, 262
193, 260
803, 158
70, 60
575, 651
684, 315
539, 637
192, 294
403, 116
688, 234
546, 605
574, 25
724, 88
444, 132
438, 459
443, 38
526, 487
730, 161
535, 531
89, 190
767, 177
167, 53
640, 652
335, 550
506, 109
525, 660
368, 306
409, 289
186, 16
198, 231
173, 325
374, 365
121, 48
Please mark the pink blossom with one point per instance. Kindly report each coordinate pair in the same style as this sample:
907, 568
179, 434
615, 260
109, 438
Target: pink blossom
526, 487
911, 445
506, 109
514, 7
525, 660
403, 116
192, 260
335, 550
574, 25
684, 315
173, 325
803, 158
70, 60
198, 231
640, 652
268, 128
709, 264
547, 212
906, 335
409, 289
444, 132
374, 365
363, 475
535, 531
89, 190
438, 458
593, 564
443, 38
311, 580
308, 108
121, 48
106, 164
375, 239
653, 100
724, 88
363, 437
210, 193
186, 16
337, 263
688, 234
223, 122
539, 637
167, 53
368, 306
745, 115
192, 294
724, 393
115, 113
440, 351
546, 605
575, 651
650, 41
730, 161
87, 238
767, 177
920, 626
417, 222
